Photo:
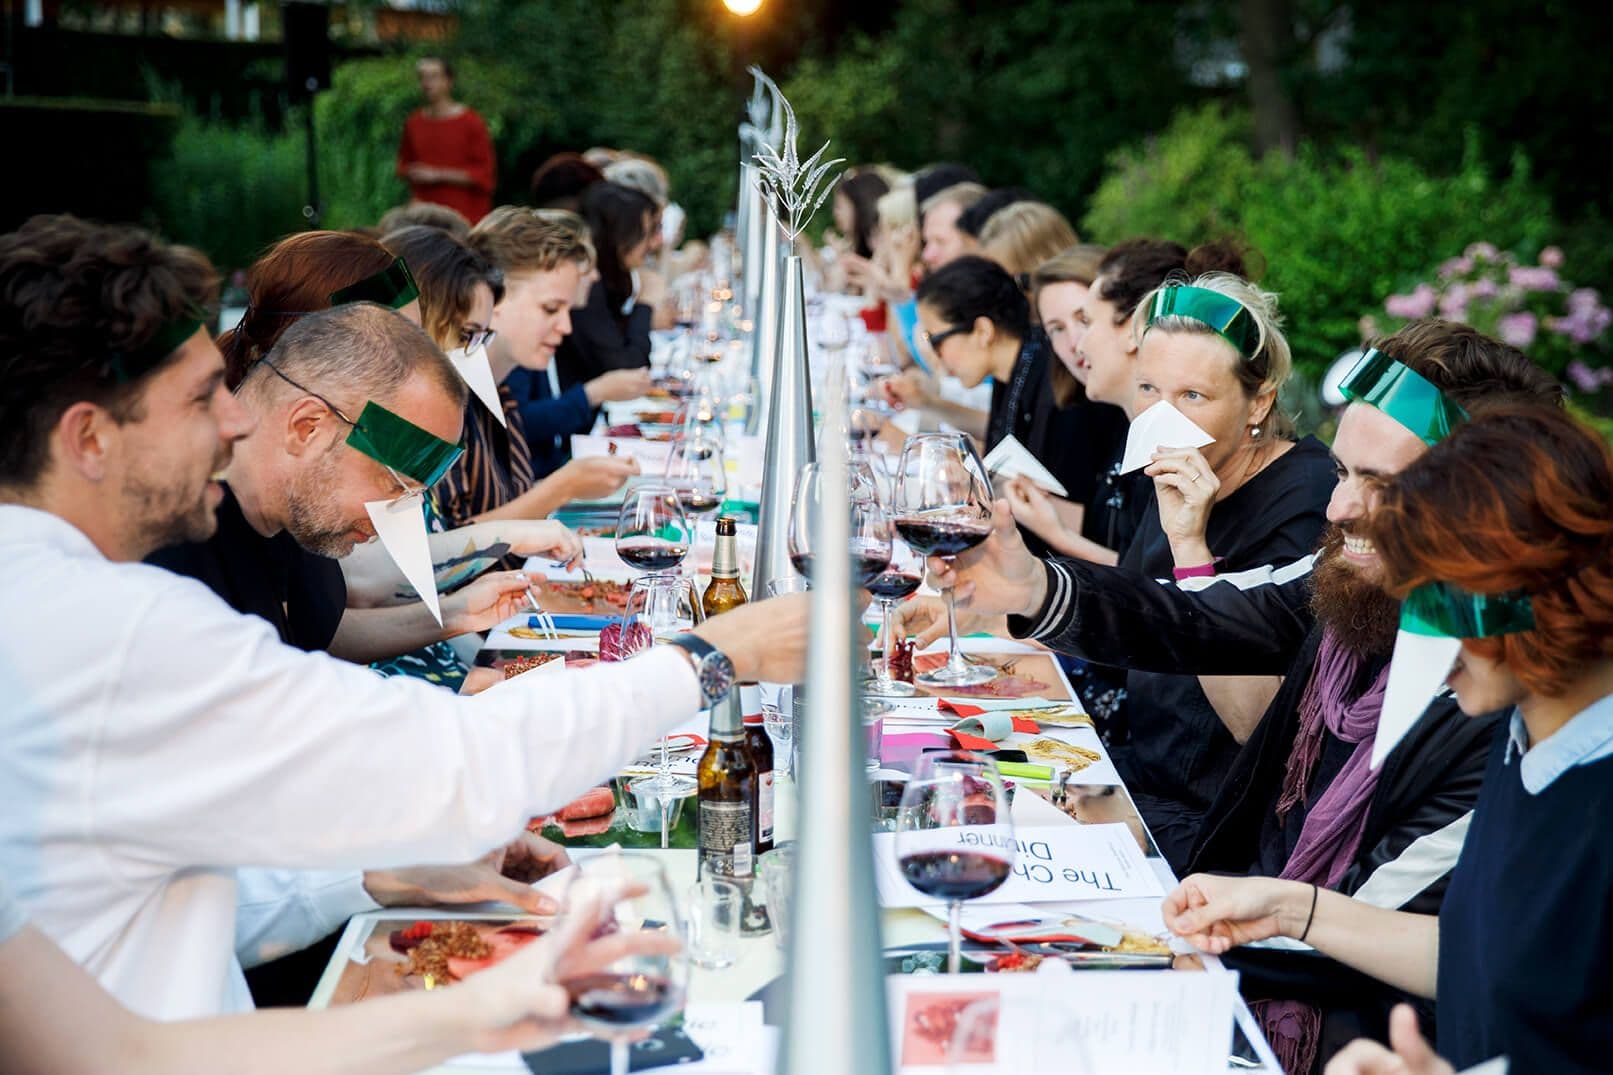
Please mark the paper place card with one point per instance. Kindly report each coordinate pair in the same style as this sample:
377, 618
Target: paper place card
1052, 862
1160, 426
1096, 1022
401, 526
479, 376
1011, 459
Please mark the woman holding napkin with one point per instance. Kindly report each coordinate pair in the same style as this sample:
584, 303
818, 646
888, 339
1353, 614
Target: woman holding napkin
1499, 536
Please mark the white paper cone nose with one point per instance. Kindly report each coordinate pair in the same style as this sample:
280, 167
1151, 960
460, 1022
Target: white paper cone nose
401, 526
479, 375
1417, 672
1160, 426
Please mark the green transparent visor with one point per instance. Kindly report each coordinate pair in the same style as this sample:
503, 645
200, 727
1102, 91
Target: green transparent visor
392, 287
400, 444
1441, 610
1226, 316
1404, 395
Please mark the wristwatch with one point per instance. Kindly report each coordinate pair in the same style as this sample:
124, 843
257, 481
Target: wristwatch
712, 668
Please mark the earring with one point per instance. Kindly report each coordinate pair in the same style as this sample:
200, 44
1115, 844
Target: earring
1254, 432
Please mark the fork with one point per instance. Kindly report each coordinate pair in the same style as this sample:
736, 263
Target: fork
545, 622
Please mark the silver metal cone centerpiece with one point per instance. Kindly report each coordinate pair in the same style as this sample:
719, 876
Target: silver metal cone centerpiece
789, 442
764, 342
835, 954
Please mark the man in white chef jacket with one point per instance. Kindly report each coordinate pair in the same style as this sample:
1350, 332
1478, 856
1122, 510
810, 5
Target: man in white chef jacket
155, 740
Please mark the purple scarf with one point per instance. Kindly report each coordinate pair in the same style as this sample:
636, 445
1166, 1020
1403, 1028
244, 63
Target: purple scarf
1332, 831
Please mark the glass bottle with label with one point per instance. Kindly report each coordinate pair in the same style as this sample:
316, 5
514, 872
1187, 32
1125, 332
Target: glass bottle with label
761, 753
727, 779
725, 590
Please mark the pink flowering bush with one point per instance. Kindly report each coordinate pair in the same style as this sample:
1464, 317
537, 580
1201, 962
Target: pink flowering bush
1532, 307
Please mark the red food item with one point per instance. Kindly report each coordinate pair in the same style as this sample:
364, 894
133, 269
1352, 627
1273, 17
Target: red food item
402, 940
588, 826
592, 803
902, 660
614, 647
622, 431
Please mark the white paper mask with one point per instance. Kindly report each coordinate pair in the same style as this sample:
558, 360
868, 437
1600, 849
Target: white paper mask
401, 526
479, 375
1160, 426
1417, 672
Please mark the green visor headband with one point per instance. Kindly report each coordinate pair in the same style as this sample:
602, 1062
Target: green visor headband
392, 287
1404, 395
126, 366
400, 444
1228, 317
1441, 610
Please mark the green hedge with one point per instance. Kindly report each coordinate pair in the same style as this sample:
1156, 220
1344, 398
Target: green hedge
1338, 231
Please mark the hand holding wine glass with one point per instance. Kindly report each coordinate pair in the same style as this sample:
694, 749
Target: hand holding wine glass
943, 507
954, 833
645, 984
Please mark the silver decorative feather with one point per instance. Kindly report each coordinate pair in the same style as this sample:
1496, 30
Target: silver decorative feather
795, 189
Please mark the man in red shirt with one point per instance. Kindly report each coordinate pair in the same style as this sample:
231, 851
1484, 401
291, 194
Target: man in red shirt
446, 156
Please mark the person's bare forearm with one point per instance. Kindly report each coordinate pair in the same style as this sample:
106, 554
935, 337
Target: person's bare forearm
1240, 701
376, 634
1395, 947
373, 578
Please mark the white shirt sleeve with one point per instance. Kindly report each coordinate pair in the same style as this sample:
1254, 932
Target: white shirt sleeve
217, 745
12, 916
278, 912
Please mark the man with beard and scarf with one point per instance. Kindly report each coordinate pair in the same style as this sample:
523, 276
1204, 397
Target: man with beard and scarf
1301, 801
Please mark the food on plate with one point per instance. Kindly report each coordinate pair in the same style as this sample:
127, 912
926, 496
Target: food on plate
593, 595
587, 815
446, 951
614, 647
1066, 755
516, 665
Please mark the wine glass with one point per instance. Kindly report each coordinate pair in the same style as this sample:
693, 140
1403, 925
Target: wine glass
954, 834
652, 531
834, 333
888, 587
869, 537
640, 990
942, 507
658, 606
696, 471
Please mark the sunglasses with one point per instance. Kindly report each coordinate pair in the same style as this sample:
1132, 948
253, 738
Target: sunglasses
937, 339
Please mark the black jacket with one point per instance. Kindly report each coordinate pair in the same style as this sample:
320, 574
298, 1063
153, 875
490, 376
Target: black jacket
603, 339
1259, 623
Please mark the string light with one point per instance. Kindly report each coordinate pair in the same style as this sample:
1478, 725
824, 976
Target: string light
743, 7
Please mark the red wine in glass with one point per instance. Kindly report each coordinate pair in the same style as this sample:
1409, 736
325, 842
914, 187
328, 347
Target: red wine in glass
954, 875
621, 1000
698, 500
652, 554
893, 585
864, 567
942, 537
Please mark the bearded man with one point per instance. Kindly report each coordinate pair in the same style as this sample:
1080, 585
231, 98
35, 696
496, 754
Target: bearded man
1301, 801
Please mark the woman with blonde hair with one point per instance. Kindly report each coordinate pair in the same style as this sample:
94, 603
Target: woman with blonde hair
1021, 236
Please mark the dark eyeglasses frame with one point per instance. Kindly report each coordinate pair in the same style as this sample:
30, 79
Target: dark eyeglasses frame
939, 338
473, 340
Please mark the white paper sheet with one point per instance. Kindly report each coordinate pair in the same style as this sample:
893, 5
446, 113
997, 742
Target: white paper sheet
1416, 674
479, 376
1052, 862
1160, 426
1093, 1022
1011, 459
401, 526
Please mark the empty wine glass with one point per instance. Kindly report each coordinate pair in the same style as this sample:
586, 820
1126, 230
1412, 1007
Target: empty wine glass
652, 531
834, 332
869, 537
658, 606
942, 505
639, 990
954, 834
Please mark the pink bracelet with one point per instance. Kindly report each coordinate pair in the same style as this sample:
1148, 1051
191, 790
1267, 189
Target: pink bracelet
1200, 572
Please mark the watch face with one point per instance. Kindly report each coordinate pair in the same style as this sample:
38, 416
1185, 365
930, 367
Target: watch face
716, 676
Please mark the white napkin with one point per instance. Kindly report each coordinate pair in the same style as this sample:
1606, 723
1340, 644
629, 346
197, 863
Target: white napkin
479, 375
1417, 671
401, 526
1011, 459
1160, 426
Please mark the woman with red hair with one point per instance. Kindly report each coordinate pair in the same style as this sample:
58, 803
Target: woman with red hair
1501, 536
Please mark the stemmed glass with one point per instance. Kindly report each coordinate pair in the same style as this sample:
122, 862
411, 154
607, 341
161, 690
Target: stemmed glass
869, 544
652, 531
639, 990
697, 473
954, 834
658, 606
942, 507
888, 587
834, 333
